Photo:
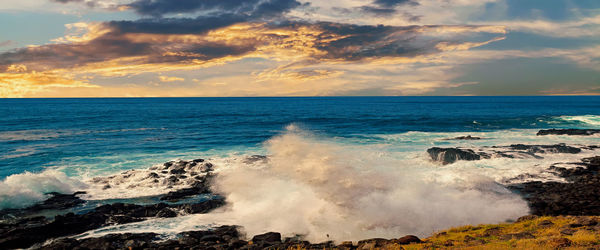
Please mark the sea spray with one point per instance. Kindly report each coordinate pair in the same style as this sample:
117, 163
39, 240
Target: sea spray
22, 190
330, 191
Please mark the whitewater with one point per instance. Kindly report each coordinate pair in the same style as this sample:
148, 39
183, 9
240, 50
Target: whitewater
348, 185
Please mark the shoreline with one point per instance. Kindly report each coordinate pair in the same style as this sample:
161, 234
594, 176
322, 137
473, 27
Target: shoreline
576, 197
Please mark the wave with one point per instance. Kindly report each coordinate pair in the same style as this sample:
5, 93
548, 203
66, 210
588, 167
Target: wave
590, 120
316, 187
22, 190
347, 188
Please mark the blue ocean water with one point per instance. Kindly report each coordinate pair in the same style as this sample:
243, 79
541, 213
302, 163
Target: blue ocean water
342, 166
123, 133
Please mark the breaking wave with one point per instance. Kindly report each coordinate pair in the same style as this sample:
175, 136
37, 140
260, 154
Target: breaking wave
590, 120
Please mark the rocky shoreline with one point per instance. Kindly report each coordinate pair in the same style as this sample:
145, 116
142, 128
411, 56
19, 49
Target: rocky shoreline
22, 228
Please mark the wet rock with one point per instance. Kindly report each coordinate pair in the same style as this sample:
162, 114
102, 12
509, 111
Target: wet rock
177, 171
57, 201
568, 131
557, 148
166, 213
199, 187
255, 158
451, 155
468, 137
26, 232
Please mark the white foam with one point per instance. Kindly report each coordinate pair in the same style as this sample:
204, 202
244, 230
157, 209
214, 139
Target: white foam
22, 190
142, 182
317, 187
592, 120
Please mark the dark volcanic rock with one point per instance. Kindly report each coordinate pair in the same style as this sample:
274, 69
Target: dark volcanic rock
579, 196
26, 232
255, 158
56, 202
408, 240
450, 155
568, 131
166, 213
557, 148
201, 186
267, 239
223, 237
468, 137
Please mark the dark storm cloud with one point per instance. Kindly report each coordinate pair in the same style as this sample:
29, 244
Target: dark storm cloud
66, 1
368, 41
196, 25
393, 3
388, 7
247, 7
160, 40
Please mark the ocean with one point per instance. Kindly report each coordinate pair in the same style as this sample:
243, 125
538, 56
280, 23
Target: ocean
334, 157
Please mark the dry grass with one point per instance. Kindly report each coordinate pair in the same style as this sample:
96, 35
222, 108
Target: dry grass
560, 232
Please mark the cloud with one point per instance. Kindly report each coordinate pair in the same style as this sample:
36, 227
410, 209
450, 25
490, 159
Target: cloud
394, 3
6, 43
15, 83
170, 79
388, 8
257, 8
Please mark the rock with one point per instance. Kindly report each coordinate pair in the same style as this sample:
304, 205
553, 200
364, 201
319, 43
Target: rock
199, 187
587, 222
557, 148
560, 243
527, 217
166, 213
451, 155
372, 243
202, 207
267, 239
576, 197
468, 137
468, 238
568, 231
545, 224
496, 231
177, 171
568, 131
517, 236
26, 232
408, 240
255, 158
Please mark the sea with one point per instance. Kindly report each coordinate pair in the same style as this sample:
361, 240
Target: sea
349, 167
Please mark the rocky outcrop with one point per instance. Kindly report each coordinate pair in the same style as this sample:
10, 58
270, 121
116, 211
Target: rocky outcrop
578, 196
223, 237
568, 131
26, 232
543, 149
451, 155
56, 201
467, 137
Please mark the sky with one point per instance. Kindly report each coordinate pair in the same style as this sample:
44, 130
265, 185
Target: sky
175, 48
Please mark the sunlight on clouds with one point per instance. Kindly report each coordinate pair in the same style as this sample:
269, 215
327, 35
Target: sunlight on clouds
82, 32
170, 79
25, 84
